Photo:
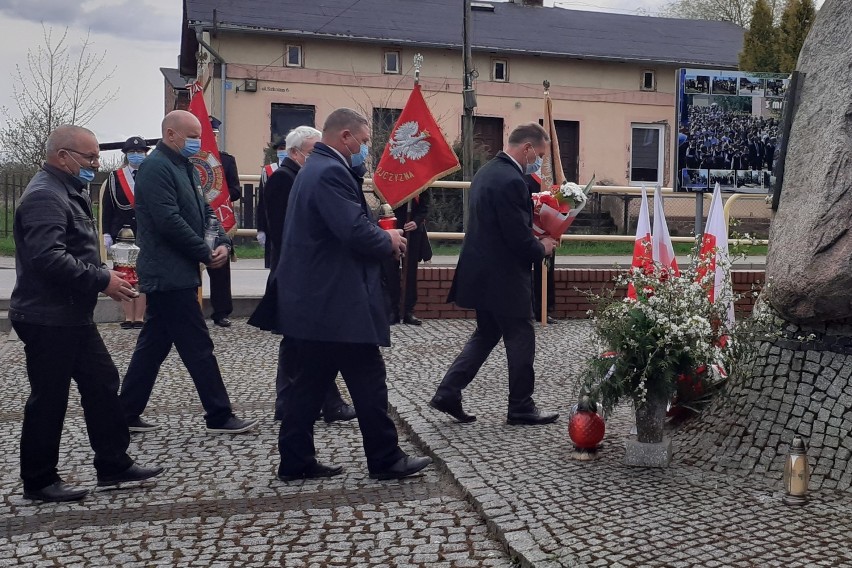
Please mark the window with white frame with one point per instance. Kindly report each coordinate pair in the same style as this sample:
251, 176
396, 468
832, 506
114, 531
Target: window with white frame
647, 153
500, 70
392, 63
293, 55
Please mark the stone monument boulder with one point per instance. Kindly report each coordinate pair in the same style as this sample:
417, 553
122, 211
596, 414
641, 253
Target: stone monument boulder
809, 264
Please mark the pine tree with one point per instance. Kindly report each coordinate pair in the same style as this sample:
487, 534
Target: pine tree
759, 47
796, 22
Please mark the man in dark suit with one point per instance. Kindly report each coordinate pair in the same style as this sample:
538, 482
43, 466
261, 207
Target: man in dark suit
418, 248
331, 309
221, 299
493, 277
299, 144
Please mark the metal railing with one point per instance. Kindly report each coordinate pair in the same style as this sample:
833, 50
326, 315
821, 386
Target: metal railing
625, 194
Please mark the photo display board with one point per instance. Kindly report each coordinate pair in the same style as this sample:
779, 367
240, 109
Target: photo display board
729, 127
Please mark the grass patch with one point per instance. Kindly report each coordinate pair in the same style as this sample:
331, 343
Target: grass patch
7, 246
248, 248
593, 248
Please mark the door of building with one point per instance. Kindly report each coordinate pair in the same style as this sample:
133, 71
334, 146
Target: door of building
488, 134
568, 132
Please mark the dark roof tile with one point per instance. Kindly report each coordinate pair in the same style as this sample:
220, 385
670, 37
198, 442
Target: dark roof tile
510, 28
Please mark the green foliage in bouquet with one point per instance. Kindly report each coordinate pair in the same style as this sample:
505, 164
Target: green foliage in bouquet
670, 343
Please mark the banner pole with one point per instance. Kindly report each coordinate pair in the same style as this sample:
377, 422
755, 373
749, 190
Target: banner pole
406, 258
543, 306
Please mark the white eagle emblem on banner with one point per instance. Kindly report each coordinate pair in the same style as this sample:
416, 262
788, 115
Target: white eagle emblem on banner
407, 143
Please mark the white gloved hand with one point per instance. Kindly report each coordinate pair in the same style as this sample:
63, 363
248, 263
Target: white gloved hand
261, 238
107, 240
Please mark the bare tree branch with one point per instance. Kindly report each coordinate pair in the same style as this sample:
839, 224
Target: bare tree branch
55, 87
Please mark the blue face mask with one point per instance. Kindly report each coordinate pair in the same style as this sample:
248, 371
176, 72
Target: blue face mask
191, 146
281, 154
361, 157
135, 159
86, 175
534, 167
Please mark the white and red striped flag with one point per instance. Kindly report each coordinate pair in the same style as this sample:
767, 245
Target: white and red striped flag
642, 247
714, 254
662, 248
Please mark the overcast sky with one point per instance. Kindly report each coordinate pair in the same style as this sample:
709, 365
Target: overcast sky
139, 37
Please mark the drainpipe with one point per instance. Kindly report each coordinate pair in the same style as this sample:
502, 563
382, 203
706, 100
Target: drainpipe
199, 36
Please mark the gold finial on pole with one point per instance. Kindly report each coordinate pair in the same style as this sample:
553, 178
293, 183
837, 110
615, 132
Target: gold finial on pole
418, 63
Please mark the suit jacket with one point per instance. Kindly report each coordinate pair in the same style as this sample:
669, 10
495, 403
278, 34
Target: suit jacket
276, 192
328, 277
494, 271
232, 176
418, 247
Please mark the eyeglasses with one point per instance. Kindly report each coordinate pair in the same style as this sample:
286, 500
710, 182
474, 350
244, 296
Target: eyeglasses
93, 159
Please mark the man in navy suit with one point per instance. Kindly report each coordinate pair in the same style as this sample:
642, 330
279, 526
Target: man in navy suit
494, 277
331, 308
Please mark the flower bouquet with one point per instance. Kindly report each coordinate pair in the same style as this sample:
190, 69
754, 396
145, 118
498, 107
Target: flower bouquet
666, 350
555, 210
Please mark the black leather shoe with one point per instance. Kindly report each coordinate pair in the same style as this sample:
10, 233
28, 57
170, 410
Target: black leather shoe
404, 467
233, 425
132, 473
316, 471
342, 413
56, 492
451, 407
139, 425
222, 322
533, 417
411, 320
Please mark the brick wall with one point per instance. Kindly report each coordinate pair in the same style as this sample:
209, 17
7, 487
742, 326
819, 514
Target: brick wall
433, 285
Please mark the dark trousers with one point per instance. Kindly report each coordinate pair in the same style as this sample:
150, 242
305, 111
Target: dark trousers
284, 382
55, 355
220, 291
314, 366
174, 318
393, 279
551, 286
518, 337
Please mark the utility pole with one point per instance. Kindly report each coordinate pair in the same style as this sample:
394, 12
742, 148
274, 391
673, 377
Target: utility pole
469, 101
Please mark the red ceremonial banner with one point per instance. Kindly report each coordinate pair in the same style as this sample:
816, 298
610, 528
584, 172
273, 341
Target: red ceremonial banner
209, 164
416, 154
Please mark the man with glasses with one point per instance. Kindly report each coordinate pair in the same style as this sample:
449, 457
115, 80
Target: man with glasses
171, 214
59, 275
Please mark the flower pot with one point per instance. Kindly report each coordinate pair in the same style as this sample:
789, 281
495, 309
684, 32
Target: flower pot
649, 419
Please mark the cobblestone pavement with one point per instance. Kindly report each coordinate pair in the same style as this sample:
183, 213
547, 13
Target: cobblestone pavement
554, 511
219, 504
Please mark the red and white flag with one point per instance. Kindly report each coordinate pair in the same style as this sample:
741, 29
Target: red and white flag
642, 248
662, 248
416, 154
208, 163
714, 254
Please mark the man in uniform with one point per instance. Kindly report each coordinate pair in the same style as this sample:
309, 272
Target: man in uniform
118, 208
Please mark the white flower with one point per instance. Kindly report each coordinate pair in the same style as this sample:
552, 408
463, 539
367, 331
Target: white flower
573, 194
